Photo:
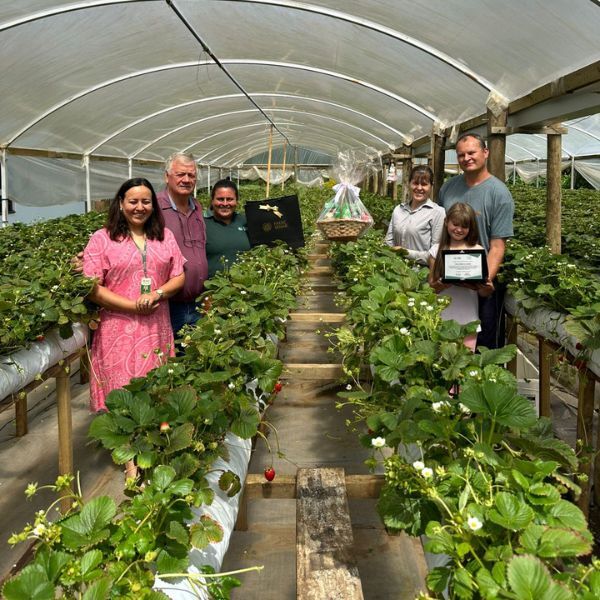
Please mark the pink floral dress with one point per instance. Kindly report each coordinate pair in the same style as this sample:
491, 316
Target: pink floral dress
128, 345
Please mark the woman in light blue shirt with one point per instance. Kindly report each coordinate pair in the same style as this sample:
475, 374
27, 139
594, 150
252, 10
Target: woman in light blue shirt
417, 225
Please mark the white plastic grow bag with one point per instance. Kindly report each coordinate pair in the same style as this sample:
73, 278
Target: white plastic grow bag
20, 368
551, 325
224, 510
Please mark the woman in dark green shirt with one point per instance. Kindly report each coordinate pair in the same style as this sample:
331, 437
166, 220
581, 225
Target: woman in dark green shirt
225, 228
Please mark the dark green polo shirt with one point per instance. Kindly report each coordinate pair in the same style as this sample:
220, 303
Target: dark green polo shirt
224, 241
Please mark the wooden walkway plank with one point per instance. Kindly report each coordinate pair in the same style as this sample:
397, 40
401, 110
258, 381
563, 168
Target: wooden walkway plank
325, 563
327, 317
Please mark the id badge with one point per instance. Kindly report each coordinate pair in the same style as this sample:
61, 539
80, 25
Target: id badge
146, 285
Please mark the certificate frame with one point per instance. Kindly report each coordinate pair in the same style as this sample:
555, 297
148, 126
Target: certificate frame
464, 266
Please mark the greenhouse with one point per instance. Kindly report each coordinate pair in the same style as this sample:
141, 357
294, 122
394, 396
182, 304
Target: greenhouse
300, 299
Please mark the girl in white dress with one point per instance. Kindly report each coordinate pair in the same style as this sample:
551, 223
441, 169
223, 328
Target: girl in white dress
460, 233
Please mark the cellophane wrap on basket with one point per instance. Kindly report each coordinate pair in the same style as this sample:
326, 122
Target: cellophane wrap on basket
344, 218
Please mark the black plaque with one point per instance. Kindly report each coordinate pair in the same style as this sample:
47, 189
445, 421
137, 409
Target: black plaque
275, 219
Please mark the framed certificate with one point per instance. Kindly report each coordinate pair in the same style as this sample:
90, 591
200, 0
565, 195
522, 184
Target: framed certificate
464, 266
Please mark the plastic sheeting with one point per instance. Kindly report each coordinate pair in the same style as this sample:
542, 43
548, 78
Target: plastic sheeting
21, 368
224, 510
137, 79
550, 324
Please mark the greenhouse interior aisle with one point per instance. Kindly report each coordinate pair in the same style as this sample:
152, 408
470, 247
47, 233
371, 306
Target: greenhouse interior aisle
312, 433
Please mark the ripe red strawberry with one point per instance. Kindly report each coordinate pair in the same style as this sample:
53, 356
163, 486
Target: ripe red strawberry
164, 427
278, 387
40, 338
269, 473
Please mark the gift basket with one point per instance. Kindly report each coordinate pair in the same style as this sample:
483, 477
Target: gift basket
344, 218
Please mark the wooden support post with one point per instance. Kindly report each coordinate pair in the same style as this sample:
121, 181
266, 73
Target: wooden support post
512, 330
553, 193
241, 523
585, 434
395, 189
596, 483
325, 563
65, 427
21, 423
497, 143
438, 155
545, 360
84, 365
407, 165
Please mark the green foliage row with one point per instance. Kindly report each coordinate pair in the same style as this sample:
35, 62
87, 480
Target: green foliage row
536, 276
471, 466
173, 423
580, 221
38, 290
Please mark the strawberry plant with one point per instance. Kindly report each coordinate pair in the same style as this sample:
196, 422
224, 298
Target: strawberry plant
471, 465
38, 290
172, 422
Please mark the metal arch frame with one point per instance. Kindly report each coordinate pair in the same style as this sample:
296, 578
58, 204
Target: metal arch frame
256, 143
372, 25
509, 141
43, 14
252, 141
576, 128
249, 149
199, 63
239, 95
302, 6
359, 143
237, 112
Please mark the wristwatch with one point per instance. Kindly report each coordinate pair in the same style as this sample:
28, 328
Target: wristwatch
160, 293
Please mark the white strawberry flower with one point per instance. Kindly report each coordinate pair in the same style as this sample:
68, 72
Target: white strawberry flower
427, 473
378, 442
418, 465
474, 523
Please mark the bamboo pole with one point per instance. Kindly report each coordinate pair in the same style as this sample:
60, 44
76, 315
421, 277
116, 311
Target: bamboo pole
585, 431
269, 161
553, 193
65, 428
296, 164
283, 169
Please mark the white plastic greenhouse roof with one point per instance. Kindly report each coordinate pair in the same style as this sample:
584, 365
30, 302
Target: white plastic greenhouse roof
136, 80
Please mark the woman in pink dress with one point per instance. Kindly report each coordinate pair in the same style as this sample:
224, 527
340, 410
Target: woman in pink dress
138, 265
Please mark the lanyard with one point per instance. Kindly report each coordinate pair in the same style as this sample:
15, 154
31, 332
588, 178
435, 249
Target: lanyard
143, 254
